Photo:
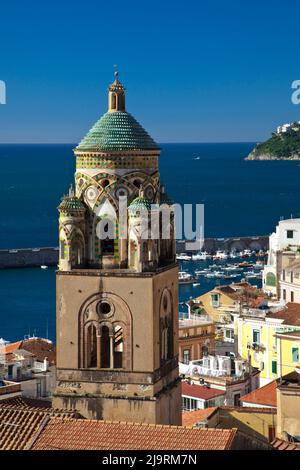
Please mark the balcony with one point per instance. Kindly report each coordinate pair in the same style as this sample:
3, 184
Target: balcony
257, 347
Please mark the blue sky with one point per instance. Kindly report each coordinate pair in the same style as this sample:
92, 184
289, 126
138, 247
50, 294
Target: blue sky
194, 71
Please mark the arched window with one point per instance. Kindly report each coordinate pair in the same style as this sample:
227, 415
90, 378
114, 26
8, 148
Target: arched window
170, 342
76, 253
105, 334
271, 279
204, 351
113, 101
105, 348
91, 346
166, 327
118, 347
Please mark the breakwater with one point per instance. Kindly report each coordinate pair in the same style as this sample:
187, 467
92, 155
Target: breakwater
28, 257
211, 245
36, 257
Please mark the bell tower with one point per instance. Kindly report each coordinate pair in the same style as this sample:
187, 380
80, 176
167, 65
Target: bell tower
117, 279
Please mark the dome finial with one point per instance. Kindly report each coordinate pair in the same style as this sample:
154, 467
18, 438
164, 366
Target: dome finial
116, 72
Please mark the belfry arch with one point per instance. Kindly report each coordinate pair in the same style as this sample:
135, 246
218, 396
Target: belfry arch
112, 320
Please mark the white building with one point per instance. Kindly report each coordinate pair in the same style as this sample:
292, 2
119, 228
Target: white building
234, 377
289, 283
282, 129
284, 246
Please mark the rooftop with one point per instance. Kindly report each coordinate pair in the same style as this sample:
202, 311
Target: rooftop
20, 421
280, 444
71, 434
200, 392
193, 417
290, 314
290, 381
263, 396
38, 347
195, 320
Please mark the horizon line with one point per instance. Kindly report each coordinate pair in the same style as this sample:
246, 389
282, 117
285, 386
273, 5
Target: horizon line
161, 143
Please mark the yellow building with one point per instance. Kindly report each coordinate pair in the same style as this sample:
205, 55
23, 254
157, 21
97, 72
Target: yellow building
270, 340
288, 346
224, 302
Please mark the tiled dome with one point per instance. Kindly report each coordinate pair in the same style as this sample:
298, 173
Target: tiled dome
117, 131
71, 205
140, 204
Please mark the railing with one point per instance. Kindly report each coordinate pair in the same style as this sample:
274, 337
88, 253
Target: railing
10, 387
259, 347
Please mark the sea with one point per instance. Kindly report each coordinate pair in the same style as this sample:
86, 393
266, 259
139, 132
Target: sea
240, 198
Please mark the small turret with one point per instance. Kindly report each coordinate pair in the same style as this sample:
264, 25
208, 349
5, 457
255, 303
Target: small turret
116, 96
71, 231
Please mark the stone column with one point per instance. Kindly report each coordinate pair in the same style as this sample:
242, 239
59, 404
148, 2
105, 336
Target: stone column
98, 350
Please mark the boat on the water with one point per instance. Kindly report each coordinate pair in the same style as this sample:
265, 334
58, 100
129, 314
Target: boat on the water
183, 257
44, 266
201, 256
220, 254
245, 264
185, 278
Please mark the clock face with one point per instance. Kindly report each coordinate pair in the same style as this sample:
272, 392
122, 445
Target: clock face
91, 193
149, 192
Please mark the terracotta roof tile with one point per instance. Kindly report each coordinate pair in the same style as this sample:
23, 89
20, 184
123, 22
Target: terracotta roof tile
38, 347
265, 396
280, 444
193, 417
71, 434
21, 419
290, 314
41, 348
25, 403
17, 426
11, 347
200, 391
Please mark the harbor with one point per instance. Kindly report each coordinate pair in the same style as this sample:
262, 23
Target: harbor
212, 247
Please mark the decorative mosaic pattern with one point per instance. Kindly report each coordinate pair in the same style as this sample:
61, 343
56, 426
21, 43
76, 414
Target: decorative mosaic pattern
116, 162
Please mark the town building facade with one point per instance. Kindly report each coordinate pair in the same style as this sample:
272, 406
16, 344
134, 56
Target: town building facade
260, 339
234, 377
284, 246
196, 338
